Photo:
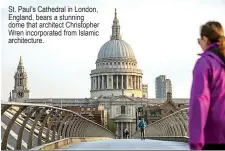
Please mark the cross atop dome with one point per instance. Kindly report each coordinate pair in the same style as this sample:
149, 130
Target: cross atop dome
115, 28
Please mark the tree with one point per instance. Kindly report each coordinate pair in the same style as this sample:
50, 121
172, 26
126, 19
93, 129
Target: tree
111, 125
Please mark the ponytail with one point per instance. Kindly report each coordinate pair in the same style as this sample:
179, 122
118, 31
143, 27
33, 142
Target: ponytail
222, 45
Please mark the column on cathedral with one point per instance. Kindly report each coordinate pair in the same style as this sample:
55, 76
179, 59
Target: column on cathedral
121, 81
132, 86
103, 82
138, 81
112, 82
127, 126
117, 82
121, 135
91, 83
127, 81
96, 86
107, 81
135, 82
130, 129
99, 82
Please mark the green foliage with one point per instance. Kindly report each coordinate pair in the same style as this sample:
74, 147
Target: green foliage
111, 125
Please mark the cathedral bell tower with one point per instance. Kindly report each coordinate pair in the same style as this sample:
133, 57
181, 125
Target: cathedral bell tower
20, 92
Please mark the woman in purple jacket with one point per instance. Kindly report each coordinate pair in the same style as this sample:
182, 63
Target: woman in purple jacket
207, 102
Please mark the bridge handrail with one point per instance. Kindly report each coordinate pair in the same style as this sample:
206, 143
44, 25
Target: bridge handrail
172, 125
60, 123
53, 107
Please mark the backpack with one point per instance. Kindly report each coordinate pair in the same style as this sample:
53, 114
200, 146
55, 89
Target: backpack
141, 125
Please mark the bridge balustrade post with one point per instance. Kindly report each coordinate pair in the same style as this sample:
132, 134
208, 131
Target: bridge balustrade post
160, 128
66, 125
182, 128
173, 131
79, 128
49, 125
75, 126
85, 128
56, 122
30, 138
37, 116
166, 128
185, 120
69, 132
20, 134
61, 125
9, 126
176, 125
170, 130
76, 130
86, 131
163, 128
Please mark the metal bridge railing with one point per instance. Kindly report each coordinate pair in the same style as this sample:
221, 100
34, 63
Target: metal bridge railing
173, 125
46, 123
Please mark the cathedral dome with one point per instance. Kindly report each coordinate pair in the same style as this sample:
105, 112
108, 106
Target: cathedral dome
116, 48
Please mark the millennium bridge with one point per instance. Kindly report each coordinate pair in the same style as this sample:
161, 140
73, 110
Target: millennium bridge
41, 127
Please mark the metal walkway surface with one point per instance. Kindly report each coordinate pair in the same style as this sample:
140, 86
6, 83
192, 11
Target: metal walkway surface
126, 144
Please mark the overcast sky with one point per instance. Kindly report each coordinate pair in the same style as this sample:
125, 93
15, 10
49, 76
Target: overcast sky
162, 33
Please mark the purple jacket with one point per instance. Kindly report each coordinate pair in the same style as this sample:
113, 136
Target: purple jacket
207, 102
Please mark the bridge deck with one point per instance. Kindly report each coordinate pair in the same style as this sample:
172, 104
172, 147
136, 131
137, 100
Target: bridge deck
134, 144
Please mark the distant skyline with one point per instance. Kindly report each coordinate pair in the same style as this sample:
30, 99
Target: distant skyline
163, 35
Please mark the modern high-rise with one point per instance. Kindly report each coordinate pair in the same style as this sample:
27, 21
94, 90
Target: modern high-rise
162, 86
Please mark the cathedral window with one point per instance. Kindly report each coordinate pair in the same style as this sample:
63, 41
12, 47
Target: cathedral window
110, 63
129, 82
118, 63
117, 110
122, 109
123, 63
114, 63
20, 82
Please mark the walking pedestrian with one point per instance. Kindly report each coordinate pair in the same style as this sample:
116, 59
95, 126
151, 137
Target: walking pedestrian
142, 126
207, 101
